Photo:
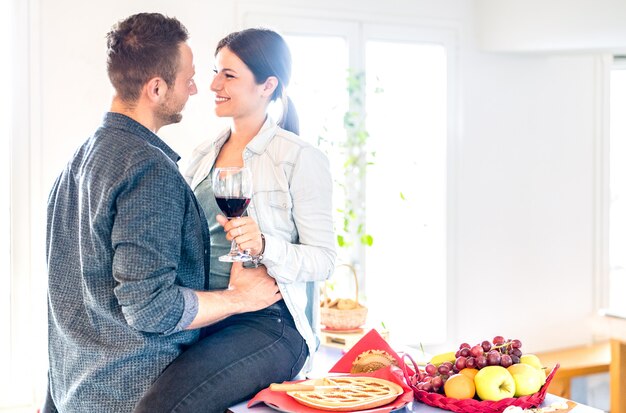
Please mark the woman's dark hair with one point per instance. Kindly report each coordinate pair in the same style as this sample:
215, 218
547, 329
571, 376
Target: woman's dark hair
141, 47
266, 54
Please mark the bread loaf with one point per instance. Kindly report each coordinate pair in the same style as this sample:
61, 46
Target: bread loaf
372, 360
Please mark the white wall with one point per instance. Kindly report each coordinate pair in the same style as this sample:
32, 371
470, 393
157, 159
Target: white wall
549, 25
526, 199
529, 208
526, 132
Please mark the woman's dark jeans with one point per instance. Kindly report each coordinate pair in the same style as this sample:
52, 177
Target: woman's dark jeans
234, 359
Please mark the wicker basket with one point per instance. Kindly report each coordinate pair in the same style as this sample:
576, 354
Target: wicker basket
346, 319
480, 406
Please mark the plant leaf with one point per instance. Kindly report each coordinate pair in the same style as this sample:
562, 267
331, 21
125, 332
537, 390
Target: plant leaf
340, 240
367, 239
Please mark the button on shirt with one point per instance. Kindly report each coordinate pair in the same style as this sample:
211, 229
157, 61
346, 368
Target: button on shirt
126, 246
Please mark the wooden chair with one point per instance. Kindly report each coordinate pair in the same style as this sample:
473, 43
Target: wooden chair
591, 359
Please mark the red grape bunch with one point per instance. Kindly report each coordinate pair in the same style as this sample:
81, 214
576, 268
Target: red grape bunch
488, 353
432, 378
497, 352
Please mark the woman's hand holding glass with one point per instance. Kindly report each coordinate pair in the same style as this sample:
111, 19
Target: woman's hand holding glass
245, 231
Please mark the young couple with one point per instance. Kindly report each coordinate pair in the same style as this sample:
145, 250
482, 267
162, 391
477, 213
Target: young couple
142, 315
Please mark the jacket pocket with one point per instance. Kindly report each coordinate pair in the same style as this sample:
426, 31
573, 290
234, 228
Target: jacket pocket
276, 209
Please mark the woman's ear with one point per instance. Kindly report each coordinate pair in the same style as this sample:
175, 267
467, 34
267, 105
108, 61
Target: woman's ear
270, 85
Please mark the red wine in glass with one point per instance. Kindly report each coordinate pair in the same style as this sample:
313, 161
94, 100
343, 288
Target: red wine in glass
232, 187
232, 207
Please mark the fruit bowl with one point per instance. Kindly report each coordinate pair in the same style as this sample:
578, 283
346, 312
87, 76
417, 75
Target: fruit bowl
480, 406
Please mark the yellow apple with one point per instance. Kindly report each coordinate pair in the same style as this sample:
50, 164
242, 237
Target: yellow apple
527, 379
534, 361
494, 383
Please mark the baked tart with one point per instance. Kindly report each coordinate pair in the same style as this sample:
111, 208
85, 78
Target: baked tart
342, 394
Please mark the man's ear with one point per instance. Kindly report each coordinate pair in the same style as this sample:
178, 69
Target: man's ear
269, 86
155, 89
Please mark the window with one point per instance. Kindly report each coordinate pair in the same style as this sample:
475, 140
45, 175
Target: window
6, 42
407, 115
22, 290
406, 186
313, 85
617, 189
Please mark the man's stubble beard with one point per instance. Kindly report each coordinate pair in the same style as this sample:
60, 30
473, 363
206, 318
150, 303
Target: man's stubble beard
168, 115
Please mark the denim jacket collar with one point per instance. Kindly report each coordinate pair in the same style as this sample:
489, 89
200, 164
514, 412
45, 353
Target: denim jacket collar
207, 153
258, 142
263, 137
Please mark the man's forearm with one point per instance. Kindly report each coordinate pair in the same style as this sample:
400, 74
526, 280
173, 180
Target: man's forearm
214, 306
250, 289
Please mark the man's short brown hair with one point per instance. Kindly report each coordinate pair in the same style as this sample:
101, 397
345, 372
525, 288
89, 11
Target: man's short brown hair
141, 47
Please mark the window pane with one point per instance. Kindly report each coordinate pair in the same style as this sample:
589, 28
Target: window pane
617, 212
5, 233
318, 90
406, 189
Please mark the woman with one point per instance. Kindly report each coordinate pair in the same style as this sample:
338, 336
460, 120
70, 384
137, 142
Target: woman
288, 230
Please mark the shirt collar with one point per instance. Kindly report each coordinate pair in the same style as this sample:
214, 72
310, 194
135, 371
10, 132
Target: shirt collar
258, 143
263, 137
120, 121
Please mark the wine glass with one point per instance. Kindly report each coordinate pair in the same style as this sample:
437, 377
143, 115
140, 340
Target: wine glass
232, 187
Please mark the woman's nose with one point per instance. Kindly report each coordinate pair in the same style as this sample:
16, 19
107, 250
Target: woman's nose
216, 83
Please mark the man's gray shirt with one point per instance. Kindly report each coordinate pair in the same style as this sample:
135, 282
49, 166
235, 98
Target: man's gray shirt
126, 246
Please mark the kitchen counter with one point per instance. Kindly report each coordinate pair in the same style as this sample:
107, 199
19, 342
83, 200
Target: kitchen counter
417, 407
325, 359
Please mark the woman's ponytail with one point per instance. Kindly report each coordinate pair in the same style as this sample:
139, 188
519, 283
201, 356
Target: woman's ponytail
290, 120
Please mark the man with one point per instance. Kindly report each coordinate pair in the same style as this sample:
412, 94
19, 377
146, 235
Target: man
127, 245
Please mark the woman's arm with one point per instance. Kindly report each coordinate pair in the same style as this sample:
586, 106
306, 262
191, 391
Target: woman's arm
313, 258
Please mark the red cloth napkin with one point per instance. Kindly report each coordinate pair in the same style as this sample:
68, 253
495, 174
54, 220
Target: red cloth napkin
283, 402
371, 341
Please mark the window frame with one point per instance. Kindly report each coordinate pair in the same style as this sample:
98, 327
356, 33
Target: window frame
605, 64
27, 356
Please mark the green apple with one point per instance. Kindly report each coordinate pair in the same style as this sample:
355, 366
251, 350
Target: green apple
494, 383
527, 378
534, 361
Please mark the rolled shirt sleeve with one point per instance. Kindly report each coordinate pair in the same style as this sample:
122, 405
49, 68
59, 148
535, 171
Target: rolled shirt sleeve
147, 247
190, 309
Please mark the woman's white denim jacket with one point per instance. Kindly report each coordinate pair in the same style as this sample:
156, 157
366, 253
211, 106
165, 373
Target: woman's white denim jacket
292, 204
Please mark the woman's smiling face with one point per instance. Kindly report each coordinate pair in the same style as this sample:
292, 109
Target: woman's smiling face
237, 94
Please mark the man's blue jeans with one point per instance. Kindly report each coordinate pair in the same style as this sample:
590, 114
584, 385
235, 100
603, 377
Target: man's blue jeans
234, 359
